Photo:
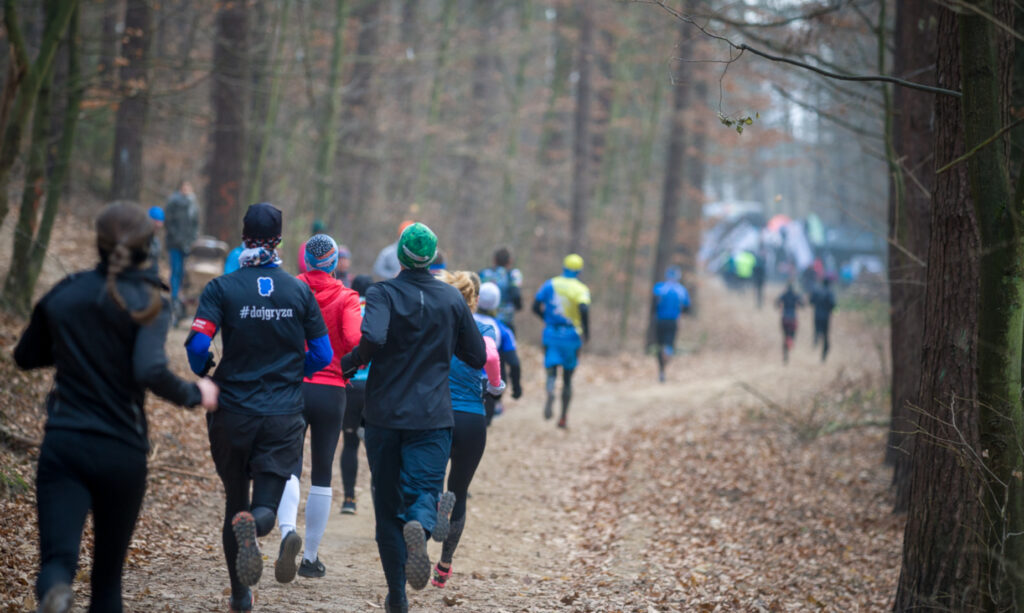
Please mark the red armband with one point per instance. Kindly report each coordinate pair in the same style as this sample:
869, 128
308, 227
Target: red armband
203, 326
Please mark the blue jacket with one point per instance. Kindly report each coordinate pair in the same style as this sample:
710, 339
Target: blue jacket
467, 384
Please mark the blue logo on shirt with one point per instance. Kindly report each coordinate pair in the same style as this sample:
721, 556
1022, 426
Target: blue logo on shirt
265, 286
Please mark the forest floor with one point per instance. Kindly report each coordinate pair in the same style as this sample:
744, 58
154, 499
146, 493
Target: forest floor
741, 484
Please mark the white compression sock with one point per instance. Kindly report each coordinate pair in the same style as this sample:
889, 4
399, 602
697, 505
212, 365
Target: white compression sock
288, 508
318, 509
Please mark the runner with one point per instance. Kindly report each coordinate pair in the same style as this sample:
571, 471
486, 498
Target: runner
510, 281
563, 303
318, 227
469, 436
266, 316
352, 424
412, 326
104, 330
324, 400
672, 300
789, 301
824, 302
387, 265
489, 299
181, 221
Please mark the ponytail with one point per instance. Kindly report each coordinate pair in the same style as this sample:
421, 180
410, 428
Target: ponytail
123, 234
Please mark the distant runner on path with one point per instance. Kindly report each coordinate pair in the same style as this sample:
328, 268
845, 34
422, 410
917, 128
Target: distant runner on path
412, 326
487, 304
671, 301
510, 282
324, 399
469, 435
266, 318
352, 423
824, 301
563, 303
104, 330
789, 302
181, 220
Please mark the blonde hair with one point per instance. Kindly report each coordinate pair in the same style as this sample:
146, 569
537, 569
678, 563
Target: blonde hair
123, 235
467, 282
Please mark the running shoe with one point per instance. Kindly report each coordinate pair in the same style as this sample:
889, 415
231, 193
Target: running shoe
284, 568
548, 407
440, 576
243, 604
444, 512
349, 506
312, 570
562, 424
58, 599
417, 562
249, 561
398, 608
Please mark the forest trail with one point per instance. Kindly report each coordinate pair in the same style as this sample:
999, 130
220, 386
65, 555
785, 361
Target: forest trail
525, 525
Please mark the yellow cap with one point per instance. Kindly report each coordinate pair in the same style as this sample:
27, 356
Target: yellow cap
573, 262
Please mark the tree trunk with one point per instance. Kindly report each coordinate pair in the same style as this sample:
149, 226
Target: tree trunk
985, 60
329, 137
912, 161
581, 177
675, 166
513, 215
126, 181
359, 162
228, 92
427, 153
10, 145
273, 104
27, 263
109, 44
942, 543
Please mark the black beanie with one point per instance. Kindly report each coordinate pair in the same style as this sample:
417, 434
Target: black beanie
262, 220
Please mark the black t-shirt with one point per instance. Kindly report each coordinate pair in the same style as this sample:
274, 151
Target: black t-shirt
824, 301
789, 301
265, 316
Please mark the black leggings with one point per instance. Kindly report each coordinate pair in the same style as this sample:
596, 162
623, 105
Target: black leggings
79, 471
469, 438
356, 392
325, 406
566, 386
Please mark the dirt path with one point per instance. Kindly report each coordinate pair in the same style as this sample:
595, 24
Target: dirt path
522, 525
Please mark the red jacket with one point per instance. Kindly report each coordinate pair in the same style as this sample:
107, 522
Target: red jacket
340, 308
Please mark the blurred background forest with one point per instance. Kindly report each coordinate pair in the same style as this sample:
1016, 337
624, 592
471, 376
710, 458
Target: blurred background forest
546, 126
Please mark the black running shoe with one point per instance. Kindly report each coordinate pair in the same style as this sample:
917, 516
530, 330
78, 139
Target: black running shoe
444, 512
58, 599
249, 561
417, 562
402, 607
348, 507
284, 568
313, 570
243, 604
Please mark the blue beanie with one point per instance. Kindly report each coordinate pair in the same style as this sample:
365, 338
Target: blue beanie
321, 253
156, 213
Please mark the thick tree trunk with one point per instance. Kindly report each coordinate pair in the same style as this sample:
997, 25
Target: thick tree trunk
942, 543
269, 119
581, 175
329, 137
985, 62
675, 166
358, 160
229, 95
427, 153
129, 131
913, 178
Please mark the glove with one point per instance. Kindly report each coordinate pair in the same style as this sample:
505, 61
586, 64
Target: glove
517, 391
496, 391
210, 363
348, 366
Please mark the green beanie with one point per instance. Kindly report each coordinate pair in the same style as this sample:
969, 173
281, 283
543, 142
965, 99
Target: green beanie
417, 246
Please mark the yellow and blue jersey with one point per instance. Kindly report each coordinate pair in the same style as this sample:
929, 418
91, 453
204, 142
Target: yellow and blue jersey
562, 297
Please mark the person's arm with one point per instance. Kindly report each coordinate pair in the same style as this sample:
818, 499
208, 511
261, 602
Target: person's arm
469, 343
514, 371
495, 386
516, 289
149, 363
318, 355
35, 347
374, 329
585, 321
538, 301
204, 328
351, 319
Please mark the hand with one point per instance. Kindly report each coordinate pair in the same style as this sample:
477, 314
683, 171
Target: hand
209, 392
210, 363
348, 366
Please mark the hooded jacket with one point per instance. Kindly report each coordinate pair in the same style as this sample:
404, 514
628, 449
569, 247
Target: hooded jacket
342, 313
